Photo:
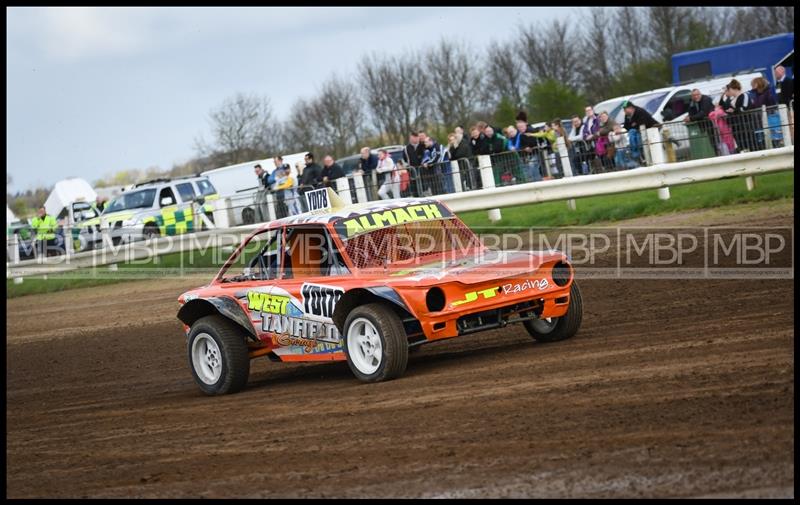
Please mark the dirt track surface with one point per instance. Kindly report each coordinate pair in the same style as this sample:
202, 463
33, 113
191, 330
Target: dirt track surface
671, 388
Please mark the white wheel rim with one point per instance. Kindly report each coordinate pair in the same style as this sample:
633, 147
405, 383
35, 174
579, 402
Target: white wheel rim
206, 358
545, 325
364, 346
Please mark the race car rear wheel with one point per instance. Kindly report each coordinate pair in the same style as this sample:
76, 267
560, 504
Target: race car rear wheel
218, 355
553, 329
375, 343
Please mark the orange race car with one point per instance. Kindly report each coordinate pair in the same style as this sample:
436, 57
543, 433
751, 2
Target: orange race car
367, 283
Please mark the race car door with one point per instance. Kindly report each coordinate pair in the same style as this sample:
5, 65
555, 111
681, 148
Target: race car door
312, 271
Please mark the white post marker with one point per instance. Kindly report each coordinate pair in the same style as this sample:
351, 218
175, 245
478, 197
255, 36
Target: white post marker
487, 178
343, 188
223, 214
750, 182
786, 132
69, 245
456, 174
765, 129
656, 149
270, 207
563, 153
361, 192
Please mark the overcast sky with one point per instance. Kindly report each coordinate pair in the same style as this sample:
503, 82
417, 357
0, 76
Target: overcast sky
91, 91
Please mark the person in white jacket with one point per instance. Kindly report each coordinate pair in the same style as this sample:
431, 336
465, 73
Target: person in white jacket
391, 177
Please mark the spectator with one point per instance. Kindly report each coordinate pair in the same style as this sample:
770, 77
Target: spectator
405, 179
522, 123
435, 180
579, 151
423, 137
462, 148
100, 203
261, 195
496, 142
762, 94
280, 203
391, 178
784, 85
547, 135
622, 156
700, 107
312, 177
737, 106
602, 147
591, 124
285, 185
414, 150
559, 130
330, 172
477, 141
636, 116
366, 166
726, 143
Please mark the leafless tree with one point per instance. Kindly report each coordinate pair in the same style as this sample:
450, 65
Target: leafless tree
548, 53
504, 74
338, 114
454, 81
629, 35
602, 55
241, 130
397, 93
298, 131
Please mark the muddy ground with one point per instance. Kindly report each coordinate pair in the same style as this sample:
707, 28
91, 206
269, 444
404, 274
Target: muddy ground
671, 388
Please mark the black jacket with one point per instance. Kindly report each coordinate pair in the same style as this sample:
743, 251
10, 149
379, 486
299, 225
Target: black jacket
369, 164
413, 156
480, 145
462, 150
332, 173
785, 90
639, 117
699, 111
312, 175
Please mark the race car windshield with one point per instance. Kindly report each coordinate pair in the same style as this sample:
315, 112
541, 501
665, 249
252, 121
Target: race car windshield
134, 200
412, 243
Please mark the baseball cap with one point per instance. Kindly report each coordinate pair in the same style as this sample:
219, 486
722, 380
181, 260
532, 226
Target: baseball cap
626, 104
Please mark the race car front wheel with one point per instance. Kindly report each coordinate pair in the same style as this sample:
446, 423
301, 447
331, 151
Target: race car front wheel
375, 343
553, 329
218, 355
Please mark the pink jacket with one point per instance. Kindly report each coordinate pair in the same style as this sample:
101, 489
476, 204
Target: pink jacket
725, 134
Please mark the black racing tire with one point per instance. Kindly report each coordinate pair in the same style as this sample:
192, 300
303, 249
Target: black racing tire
359, 347
559, 328
151, 231
218, 356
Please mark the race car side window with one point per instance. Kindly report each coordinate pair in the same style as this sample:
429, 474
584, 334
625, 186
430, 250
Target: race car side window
260, 258
310, 252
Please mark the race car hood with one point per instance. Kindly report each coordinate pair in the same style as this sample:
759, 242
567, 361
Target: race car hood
484, 266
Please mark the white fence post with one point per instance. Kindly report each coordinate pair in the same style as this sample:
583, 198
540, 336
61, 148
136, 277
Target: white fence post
785, 130
456, 174
14, 243
69, 245
343, 188
361, 191
566, 166
270, 207
750, 182
487, 179
656, 150
222, 213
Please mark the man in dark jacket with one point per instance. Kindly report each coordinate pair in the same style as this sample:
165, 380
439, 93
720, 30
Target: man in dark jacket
311, 179
414, 151
330, 172
784, 85
496, 142
634, 117
699, 109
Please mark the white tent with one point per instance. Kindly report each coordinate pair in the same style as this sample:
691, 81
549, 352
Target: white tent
66, 192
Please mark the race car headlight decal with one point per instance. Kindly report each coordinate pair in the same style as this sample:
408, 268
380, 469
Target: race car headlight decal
434, 300
562, 272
